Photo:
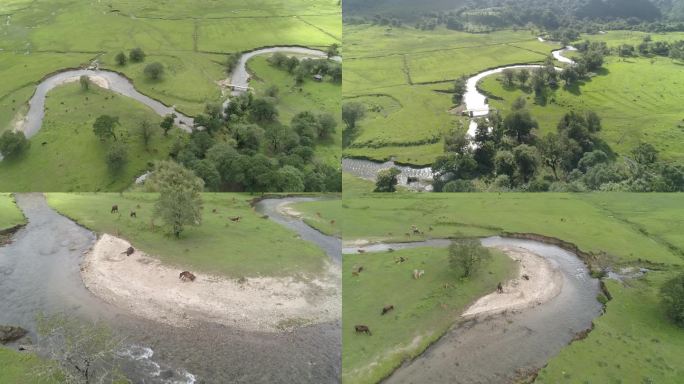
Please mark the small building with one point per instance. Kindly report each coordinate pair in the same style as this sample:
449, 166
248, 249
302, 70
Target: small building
318, 77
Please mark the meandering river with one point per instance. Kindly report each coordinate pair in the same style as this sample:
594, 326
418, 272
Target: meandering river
501, 348
40, 273
476, 103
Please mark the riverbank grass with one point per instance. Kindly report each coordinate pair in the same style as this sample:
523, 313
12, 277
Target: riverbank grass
65, 155
10, 214
424, 309
323, 215
254, 246
633, 339
19, 368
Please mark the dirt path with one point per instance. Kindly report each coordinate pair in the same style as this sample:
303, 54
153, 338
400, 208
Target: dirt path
144, 286
543, 283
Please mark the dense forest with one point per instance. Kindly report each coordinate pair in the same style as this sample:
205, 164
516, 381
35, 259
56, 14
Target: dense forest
584, 15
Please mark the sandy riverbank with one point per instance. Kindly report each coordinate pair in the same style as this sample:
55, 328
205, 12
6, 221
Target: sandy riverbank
543, 284
143, 285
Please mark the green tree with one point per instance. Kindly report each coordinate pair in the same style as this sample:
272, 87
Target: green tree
249, 137
519, 125
180, 200
104, 127
507, 77
351, 113
146, 132
460, 88
526, 161
13, 144
672, 296
290, 179
154, 71
326, 125
116, 157
167, 124
504, 163
136, 55
645, 154
386, 180
467, 256
120, 59
263, 111
523, 75
333, 50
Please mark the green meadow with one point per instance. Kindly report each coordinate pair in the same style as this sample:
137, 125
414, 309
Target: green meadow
292, 98
10, 215
638, 100
17, 368
404, 75
73, 157
191, 39
634, 339
254, 246
324, 215
424, 309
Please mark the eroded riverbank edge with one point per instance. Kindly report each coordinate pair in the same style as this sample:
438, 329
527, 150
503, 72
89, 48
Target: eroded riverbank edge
590, 260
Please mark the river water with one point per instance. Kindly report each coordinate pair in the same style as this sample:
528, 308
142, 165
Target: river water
502, 348
40, 273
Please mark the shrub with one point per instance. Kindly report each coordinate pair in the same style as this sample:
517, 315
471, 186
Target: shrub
672, 296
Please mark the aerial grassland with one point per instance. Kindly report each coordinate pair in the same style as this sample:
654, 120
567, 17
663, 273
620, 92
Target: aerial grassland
323, 215
66, 155
254, 246
633, 339
404, 75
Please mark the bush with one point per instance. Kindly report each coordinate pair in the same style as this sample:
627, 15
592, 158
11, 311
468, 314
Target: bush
459, 186
672, 296
154, 71
467, 256
387, 180
116, 158
137, 55
13, 144
538, 185
120, 59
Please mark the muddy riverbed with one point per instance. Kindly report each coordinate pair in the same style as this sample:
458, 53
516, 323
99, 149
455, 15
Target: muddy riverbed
40, 273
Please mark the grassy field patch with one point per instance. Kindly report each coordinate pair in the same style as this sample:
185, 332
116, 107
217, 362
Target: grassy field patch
73, 158
10, 214
255, 246
424, 308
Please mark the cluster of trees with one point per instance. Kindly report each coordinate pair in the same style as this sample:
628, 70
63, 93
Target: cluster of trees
672, 295
301, 69
507, 154
352, 112
153, 71
650, 48
247, 148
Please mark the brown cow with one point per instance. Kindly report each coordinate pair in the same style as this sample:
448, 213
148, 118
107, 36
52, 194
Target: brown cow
400, 259
186, 275
526, 276
235, 219
332, 222
386, 309
357, 270
362, 329
115, 209
499, 288
129, 251
361, 250
134, 215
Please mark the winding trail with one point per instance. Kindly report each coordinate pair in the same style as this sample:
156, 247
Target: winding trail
40, 272
476, 103
496, 343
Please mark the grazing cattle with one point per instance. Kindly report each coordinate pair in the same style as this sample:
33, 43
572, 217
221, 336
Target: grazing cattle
526, 276
386, 309
418, 273
362, 329
129, 251
390, 249
43, 143
185, 275
213, 210
361, 250
332, 222
134, 215
235, 219
499, 288
264, 217
400, 259
115, 209
357, 270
